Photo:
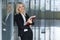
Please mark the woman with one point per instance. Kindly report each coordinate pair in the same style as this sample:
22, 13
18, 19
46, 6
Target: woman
23, 22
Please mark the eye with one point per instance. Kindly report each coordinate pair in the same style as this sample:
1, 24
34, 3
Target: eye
19, 6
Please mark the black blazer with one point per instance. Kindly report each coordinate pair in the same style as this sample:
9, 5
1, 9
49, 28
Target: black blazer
20, 23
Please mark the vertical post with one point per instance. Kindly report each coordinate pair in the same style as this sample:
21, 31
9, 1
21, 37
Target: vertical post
12, 28
35, 13
50, 23
29, 7
0, 19
39, 21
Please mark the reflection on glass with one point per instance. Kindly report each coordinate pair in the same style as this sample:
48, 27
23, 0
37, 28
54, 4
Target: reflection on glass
7, 21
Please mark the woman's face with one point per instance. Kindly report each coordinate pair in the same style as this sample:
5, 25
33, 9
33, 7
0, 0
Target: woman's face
21, 8
9, 8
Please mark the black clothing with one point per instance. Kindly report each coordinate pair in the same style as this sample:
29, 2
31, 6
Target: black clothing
28, 35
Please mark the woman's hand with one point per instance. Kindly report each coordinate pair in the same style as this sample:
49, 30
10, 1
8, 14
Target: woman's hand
29, 21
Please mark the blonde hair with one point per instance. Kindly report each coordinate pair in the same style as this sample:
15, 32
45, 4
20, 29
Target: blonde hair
17, 11
9, 7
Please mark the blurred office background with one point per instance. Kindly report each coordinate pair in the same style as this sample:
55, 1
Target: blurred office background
47, 22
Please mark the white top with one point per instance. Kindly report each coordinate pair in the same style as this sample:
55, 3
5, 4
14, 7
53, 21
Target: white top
7, 16
24, 22
23, 18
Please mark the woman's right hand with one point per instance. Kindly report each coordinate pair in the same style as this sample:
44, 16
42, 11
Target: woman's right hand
29, 21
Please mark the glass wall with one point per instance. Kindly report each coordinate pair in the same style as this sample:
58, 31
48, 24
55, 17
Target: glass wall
47, 18
7, 19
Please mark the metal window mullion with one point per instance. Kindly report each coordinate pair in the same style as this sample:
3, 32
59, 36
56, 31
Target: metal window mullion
0, 19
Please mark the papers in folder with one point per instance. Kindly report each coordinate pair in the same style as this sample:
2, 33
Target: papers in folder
32, 17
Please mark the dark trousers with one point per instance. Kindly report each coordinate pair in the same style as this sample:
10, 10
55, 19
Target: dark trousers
27, 35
